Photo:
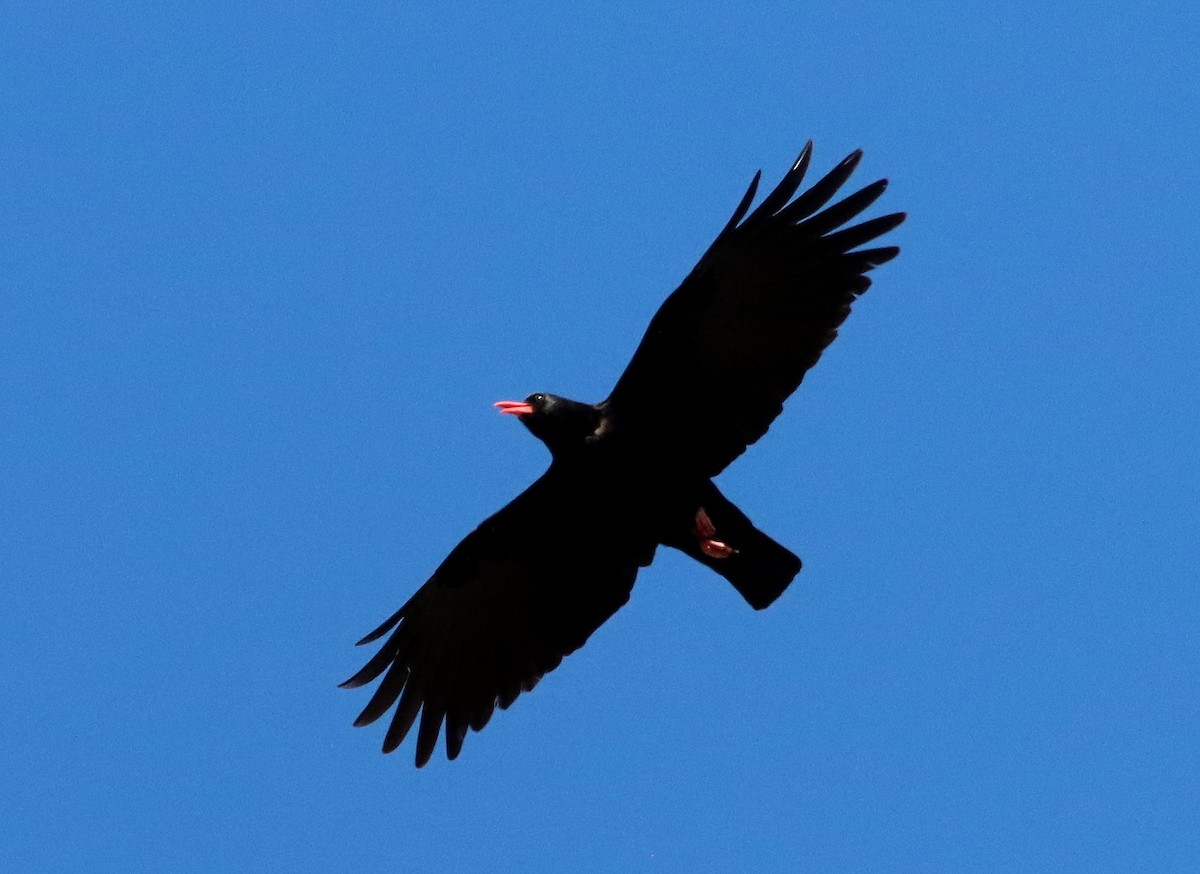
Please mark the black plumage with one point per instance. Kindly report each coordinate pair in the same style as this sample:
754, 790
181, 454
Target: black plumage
719, 358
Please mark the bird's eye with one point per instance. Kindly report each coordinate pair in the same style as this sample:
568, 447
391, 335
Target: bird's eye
538, 398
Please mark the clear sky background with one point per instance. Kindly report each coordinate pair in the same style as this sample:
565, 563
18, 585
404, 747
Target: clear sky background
263, 268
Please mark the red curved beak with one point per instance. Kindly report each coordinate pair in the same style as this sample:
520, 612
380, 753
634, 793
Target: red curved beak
517, 408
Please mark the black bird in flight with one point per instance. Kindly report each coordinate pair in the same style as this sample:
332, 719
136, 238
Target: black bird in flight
722, 354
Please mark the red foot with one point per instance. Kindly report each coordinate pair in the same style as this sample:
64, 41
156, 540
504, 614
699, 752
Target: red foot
704, 531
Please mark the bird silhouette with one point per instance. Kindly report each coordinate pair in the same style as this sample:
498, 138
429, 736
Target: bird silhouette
633, 472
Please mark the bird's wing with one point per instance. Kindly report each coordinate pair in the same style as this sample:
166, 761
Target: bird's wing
729, 346
524, 589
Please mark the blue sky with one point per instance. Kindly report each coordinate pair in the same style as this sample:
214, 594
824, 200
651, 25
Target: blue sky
264, 268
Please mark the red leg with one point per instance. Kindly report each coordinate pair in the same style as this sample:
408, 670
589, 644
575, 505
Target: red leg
705, 532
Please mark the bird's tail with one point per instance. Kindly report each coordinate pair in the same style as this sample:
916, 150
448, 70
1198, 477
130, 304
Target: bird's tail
759, 568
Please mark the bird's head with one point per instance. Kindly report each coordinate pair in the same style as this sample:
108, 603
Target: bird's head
560, 423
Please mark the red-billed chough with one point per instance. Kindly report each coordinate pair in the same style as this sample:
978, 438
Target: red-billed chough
722, 354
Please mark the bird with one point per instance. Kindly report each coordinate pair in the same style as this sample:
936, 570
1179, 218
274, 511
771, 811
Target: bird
635, 471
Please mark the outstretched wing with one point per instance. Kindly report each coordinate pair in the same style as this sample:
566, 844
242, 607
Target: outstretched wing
729, 346
520, 592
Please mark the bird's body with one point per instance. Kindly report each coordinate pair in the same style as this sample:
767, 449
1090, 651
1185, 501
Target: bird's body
634, 472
